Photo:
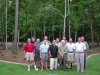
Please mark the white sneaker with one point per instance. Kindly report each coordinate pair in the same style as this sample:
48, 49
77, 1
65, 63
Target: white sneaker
36, 69
28, 69
68, 66
82, 70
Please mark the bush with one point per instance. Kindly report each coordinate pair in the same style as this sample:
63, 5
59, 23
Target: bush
2, 54
14, 56
89, 50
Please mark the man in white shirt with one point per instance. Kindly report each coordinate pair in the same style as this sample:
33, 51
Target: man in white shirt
44, 54
79, 54
70, 53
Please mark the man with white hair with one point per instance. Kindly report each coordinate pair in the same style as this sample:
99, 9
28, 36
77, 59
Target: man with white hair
63, 56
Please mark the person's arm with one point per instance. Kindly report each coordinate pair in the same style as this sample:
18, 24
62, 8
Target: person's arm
87, 46
49, 52
65, 51
40, 52
84, 48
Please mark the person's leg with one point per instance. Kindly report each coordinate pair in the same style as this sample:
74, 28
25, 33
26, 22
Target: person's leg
28, 60
64, 62
51, 63
77, 61
68, 60
42, 61
46, 60
55, 62
72, 59
60, 62
32, 60
82, 61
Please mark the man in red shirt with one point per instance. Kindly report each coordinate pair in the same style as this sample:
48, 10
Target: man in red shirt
29, 52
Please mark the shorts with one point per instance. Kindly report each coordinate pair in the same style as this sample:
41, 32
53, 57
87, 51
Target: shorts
70, 56
44, 56
29, 56
37, 57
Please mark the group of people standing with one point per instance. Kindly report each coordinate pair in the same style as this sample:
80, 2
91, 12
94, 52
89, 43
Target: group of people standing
58, 53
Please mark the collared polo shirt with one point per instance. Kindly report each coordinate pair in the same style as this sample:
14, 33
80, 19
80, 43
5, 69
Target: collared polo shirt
29, 47
37, 47
58, 44
70, 47
86, 44
53, 49
44, 48
63, 49
80, 47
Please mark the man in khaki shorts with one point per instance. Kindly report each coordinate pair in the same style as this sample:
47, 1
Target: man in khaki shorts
29, 52
70, 53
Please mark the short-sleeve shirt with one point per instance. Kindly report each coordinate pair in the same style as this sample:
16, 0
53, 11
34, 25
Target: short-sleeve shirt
53, 49
80, 47
58, 44
48, 42
86, 44
29, 47
44, 48
63, 49
70, 47
37, 47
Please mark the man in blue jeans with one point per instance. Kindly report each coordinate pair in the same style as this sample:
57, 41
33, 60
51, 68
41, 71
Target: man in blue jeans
85, 53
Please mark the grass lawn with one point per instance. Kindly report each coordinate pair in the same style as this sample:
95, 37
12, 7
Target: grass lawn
12, 69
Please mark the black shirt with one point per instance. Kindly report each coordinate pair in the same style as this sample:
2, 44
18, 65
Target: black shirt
53, 49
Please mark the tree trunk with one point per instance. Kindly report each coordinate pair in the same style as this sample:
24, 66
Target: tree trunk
6, 24
16, 28
69, 30
75, 35
44, 29
92, 37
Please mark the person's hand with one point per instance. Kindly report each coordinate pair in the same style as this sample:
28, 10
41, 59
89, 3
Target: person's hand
40, 56
50, 55
25, 55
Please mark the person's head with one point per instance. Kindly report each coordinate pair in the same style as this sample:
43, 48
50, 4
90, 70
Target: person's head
33, 39
38, 40
45, 41
82, 39
53, 42
70, 40
62, 42
28, 40
57, 40
79, 39
64, 38
45, 38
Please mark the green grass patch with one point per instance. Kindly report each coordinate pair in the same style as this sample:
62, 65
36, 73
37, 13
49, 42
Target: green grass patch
93, 68
1, 54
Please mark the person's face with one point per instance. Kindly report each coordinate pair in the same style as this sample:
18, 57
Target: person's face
33, 39
57, 40
64, 38
63, 43
79, 39
29, 40
82, 39
45, 38
38, 40
54, 42
45, 41
70, 40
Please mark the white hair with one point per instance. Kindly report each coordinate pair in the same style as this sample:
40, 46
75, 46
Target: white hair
63, 41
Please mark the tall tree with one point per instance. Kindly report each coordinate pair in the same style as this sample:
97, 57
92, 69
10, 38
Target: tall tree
16, 28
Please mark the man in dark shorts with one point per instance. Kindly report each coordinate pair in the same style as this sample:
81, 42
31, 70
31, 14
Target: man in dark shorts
37, 52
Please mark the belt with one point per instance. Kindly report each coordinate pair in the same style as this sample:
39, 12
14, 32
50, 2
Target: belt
45, 53
30, 52
79, 52
70, 52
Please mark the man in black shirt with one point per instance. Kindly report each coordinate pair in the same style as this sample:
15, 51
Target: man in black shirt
53, 50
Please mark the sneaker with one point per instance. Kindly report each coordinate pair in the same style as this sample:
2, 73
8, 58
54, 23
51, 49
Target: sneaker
28, 69
77, 70
82, 71
36, 69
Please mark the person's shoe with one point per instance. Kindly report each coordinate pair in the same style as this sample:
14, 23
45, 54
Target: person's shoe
77, 70
82, 70
65, 69
28, 69
41, 69
36, 69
